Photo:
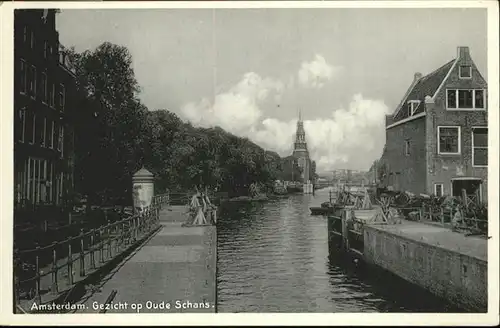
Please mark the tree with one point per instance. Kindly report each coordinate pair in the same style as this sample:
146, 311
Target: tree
110, 130
117, 134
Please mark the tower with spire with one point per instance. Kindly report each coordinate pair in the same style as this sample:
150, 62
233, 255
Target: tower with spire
300, 152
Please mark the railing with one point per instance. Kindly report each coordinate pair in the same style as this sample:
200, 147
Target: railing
442, 215
184, 198
85, 253
435, 214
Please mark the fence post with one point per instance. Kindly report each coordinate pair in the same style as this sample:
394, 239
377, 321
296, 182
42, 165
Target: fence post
101, 245
124, 235
82, 254
118, 236
91, 248
108, 239
69, 218
38, 297
442, 216
136, 226
45, 226
148, 215
70, 263
157, 220
54, 288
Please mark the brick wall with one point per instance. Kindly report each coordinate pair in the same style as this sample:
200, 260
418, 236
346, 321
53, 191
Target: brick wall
406, 172
460, 279
442, 168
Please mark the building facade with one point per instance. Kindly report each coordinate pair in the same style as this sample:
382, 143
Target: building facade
44, 88
301, 153
437, 138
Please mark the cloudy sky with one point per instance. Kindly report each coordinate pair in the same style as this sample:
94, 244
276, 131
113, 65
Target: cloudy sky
251, 70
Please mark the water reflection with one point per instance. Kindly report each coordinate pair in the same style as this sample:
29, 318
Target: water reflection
273, 257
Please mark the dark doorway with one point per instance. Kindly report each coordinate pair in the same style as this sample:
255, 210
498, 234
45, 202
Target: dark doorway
472, 188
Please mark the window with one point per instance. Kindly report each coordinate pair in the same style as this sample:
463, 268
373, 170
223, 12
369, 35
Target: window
52, 100
44, 88
438, 189
32, 82
37, 176
60, 138
51, 135
407, 147
59, 188
449, 140
39, 131
23, 71
62, 96
32, 39
412, 106
464, 99
22, 124
45, 49
55, 135
479, 98
50, 182
44, 138
465, 72
451, 99
33, 129
480, 147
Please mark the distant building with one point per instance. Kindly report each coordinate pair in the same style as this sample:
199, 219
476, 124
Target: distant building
437, 138
300, 152
44, 85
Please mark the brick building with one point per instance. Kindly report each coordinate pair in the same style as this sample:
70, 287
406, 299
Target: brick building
44, 85
437, 138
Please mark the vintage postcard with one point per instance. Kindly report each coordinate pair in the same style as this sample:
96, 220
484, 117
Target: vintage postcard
230, 163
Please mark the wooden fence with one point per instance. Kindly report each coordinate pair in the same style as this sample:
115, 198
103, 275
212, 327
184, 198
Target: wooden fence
442, 215
85, 252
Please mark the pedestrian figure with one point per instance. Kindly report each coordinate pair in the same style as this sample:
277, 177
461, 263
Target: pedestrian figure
197, 209
457, 218
209, 209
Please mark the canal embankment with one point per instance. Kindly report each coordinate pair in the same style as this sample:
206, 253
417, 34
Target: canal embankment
450, 265
173, 272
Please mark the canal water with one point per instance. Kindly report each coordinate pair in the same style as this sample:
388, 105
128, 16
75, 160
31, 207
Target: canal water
273, 257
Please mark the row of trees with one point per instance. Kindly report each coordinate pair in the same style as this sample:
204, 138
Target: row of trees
115, 135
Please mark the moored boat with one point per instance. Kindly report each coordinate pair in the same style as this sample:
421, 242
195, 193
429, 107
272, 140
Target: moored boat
326, 208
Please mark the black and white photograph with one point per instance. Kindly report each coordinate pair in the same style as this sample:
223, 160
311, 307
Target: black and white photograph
260, 157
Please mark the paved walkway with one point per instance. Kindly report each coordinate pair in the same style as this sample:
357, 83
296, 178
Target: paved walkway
173, 272
473, 246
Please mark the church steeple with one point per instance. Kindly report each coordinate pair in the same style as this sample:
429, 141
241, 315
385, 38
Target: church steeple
300, 152
300, 136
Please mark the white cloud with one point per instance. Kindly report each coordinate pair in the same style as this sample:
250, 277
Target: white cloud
351, 137
316, 73
236, 110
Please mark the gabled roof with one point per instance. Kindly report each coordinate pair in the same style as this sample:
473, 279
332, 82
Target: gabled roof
425, 86
143, 172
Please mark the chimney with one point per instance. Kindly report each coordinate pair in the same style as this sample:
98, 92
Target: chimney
417, 76
463, 52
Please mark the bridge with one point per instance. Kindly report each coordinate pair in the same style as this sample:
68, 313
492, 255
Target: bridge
325, 184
